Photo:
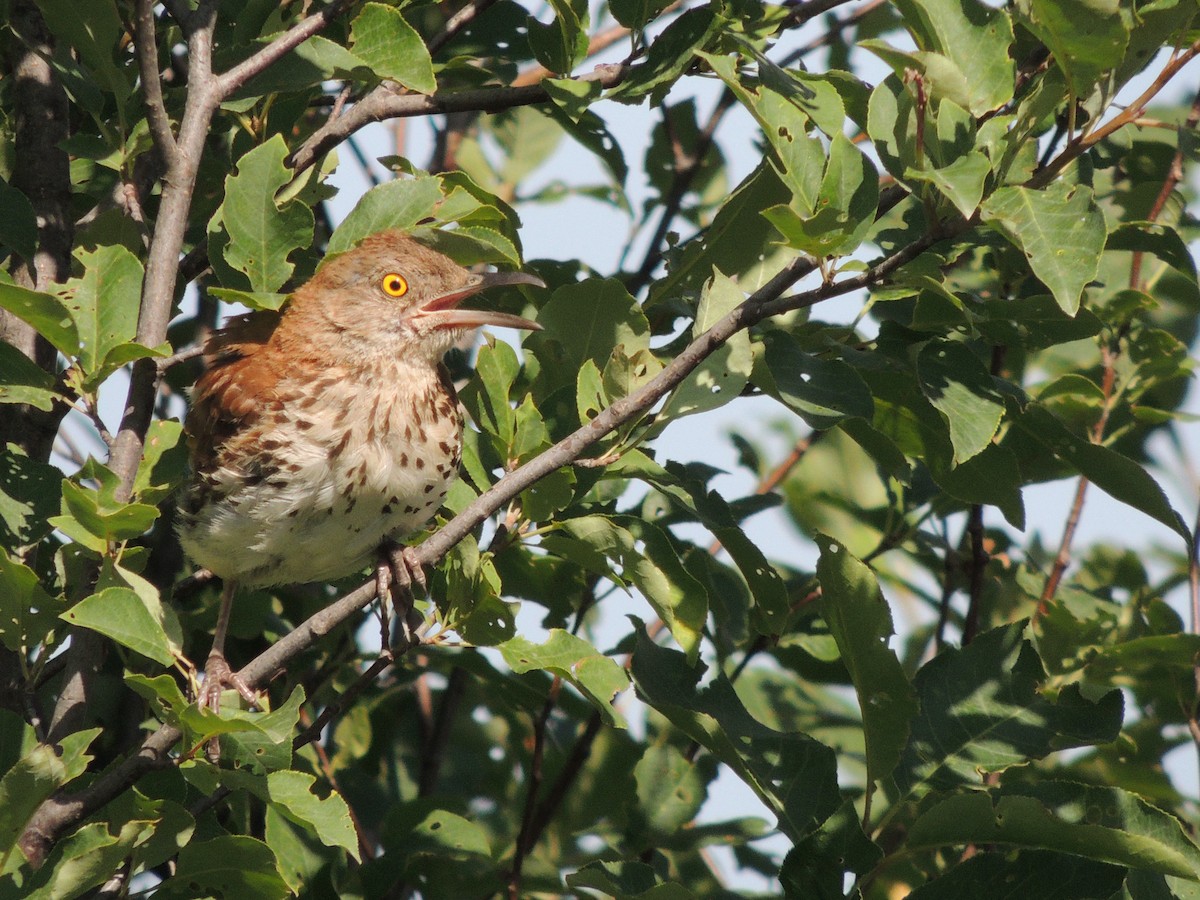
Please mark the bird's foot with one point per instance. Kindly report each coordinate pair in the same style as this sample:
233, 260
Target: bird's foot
218, 676
397, 571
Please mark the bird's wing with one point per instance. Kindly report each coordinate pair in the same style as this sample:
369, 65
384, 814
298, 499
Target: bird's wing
238, 388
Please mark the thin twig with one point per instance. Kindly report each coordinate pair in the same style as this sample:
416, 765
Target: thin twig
1125, 117
433, 753
146, 44
525, 837
230, 81
381, 104
1111, 351
457, 23
979, 561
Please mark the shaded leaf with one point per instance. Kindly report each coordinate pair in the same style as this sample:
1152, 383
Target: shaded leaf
981, 711
861, 622
1060, 230
792, 774
595, 675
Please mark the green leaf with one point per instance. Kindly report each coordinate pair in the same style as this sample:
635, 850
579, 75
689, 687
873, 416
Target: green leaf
595, 675
817, 866
487, 397
1117, 475
1153, 237
1096, 822
1086, 38
22, 789
792, 774
84, 860
972, 39
670, 792
1060, 230
982, 711
120, 614
394, 204
961, 181
823, 392
27, 612
30, 493
561, 44
801, 158
843, 210
382, 39
24, 381
252, 299
587, 320
18, 224
95, 518
420, 830
263, 232
163, 465
1140, 655
991, 477
94, 30
771, 602
47, 313
104, 304
225, 866
740, 242
723, 375
670, 55
635, 14
892, 127
627, 880
861, 622
1025, 875
572, 96
956, 383
328, 818
678, 599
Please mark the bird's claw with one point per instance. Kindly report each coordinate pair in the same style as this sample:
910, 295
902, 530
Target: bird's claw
217, 677
398, 569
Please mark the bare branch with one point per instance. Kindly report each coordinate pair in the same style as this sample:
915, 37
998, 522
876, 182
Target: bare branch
385, 103
230, 81
1111, 352
457, 23
147, 56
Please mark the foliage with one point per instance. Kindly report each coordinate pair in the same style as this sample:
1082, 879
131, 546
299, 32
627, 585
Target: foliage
1003, 211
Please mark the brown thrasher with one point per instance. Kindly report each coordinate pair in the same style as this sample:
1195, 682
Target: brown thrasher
322, 433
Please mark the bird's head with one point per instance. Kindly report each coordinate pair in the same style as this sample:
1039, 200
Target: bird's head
392, 294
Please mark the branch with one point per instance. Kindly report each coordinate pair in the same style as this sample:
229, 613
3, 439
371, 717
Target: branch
384, 103
205, 93
1127, 116
62, 812
146, 44
525, 837
230, 81
457, 23
1111, 353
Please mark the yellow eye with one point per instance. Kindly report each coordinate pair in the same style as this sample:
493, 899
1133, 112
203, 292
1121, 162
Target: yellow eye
394, 284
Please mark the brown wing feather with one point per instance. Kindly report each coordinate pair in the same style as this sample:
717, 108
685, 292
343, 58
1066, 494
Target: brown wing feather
238, 388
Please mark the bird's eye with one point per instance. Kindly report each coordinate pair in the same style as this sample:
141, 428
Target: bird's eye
394, 284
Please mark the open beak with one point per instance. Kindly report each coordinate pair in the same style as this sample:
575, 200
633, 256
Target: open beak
444, 312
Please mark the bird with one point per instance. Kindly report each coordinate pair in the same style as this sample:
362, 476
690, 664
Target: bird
323, 433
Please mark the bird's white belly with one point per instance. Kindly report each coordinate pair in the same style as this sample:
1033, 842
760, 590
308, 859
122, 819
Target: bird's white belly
373, 474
